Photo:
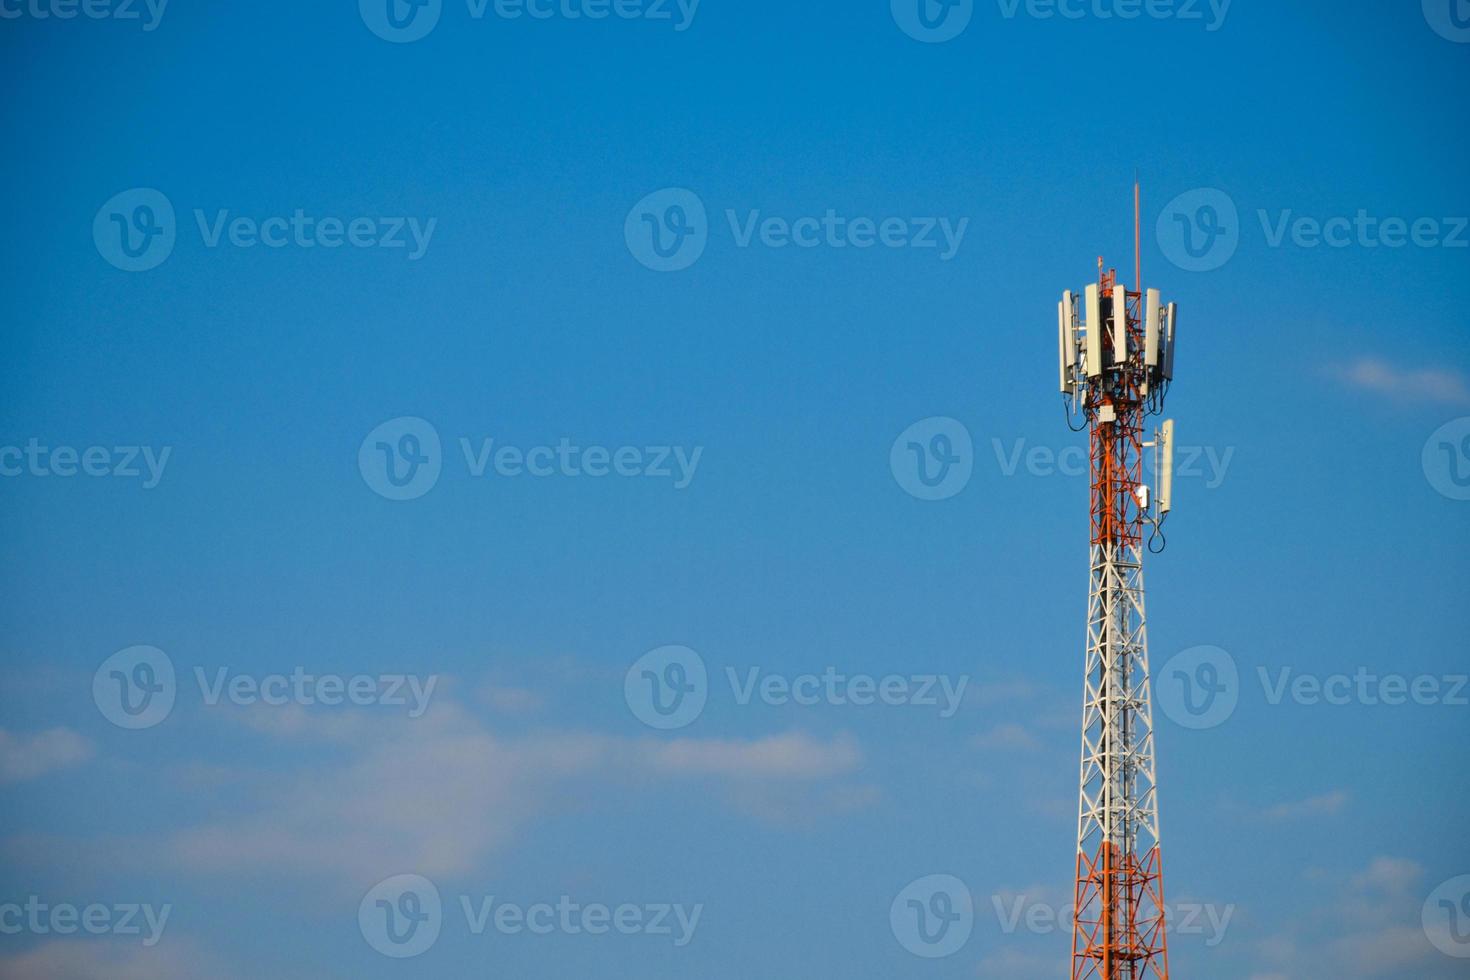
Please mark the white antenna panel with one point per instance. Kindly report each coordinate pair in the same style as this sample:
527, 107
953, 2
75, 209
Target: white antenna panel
1094, 330
1120, 324
1166, 467
1069, 305
1152, 324
1062, 331
1169, 347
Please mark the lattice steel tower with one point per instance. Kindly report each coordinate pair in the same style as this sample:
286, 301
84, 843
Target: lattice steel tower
1116, 352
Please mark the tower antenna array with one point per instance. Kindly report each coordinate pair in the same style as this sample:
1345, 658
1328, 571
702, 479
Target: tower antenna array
1116, 354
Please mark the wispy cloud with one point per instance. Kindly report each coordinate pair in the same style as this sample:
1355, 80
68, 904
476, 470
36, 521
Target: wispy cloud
442, 793
512, 700
793, 756
93, 959
28, 756
986, 694
1007, 737
1409, 384
1372, 930
1315, 806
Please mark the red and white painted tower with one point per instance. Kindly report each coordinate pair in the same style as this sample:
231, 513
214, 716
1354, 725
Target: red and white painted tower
1117, 361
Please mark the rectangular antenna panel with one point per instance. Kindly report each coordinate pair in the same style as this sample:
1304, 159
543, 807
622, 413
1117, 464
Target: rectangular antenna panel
1165, 450
1094, 342
1173, 336
1120, 324
1062, 331
1151, 329
1069, 305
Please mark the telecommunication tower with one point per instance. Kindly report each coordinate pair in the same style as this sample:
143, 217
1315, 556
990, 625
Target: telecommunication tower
1116, 352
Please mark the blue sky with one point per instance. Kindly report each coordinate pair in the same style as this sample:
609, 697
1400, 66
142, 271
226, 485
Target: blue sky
236, 394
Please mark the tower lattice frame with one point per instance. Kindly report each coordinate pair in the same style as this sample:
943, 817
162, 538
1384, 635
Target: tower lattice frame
1119, 918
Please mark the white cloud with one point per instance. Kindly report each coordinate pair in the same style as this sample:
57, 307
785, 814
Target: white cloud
95, 959
792, 756
1316, 806
28, 756
441, 793
1371, 931
988, 694
1008, 737
511, 700
1394, 877
1428, 384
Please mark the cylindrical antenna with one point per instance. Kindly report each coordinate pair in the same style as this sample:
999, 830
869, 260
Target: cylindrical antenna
1137, 240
